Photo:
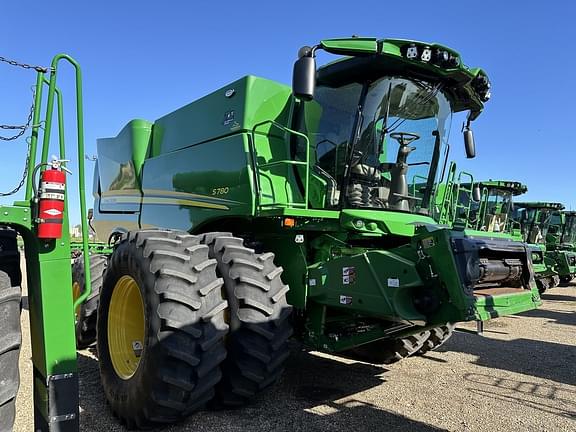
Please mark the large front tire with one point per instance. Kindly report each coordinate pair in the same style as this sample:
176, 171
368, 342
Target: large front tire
259, 317
161, 327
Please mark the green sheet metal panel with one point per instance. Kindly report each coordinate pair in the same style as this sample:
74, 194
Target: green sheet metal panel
235, 107
120, 161
200, 183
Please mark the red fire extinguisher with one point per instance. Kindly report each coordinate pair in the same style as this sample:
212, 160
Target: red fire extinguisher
50, 197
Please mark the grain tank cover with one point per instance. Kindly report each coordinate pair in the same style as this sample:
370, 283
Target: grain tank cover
233, 108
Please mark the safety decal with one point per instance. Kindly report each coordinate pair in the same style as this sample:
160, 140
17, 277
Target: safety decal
229, 117
345, 300
348, 275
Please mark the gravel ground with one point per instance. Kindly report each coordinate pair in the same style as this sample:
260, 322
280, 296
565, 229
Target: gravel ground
521, 376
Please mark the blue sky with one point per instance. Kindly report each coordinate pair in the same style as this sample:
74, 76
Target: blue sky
143, 59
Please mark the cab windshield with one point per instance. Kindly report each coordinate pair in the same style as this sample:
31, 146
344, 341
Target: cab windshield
378, 145
569, 229
494, 210
534, 222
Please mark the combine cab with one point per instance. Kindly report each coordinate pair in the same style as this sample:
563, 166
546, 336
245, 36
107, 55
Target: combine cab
261, 211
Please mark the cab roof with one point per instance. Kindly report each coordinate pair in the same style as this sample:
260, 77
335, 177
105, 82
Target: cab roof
467, 88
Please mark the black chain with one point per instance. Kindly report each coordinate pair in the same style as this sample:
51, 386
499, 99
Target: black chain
21, 128
24, 174
24, 65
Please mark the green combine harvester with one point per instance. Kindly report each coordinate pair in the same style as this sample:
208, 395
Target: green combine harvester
259, 212
545, 224
562, 236
488, 206
562, 240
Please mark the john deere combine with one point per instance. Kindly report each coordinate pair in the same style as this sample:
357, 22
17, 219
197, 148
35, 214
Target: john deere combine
561, 240
564, 233
544, 223
259, 211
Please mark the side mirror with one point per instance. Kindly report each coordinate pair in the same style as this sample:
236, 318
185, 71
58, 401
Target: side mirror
304, 75
469, 143
476, 193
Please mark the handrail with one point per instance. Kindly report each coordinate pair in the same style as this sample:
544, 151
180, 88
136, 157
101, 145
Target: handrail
306, 163
60, 109
446, 205
417, 176
483, 208
460, 188
52, 92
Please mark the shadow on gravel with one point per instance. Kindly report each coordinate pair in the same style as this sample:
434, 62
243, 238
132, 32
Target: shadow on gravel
538, 358
548, 398
315, 394
559, 317
557, 297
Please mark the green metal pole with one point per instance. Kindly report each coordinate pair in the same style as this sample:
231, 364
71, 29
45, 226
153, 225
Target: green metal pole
53, 336
60, 107
61, 125
81, 182
35, 128
49, 114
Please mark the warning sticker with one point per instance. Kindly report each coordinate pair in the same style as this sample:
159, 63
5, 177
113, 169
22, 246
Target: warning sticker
348, 275
428, 242
345, 300
393, 282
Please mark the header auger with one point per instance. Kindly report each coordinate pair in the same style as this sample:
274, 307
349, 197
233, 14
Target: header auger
489, 206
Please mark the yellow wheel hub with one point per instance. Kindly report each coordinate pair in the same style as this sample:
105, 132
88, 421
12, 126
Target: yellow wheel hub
75, 296
126, 330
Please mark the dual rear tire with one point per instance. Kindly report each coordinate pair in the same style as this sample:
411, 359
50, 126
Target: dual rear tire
185, 320
10, 331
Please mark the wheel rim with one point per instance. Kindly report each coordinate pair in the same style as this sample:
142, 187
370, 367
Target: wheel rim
75, 296
126, 327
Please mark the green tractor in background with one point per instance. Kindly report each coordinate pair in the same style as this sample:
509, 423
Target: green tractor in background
561, 240
545, 224
481, 206
259, 212
488, 206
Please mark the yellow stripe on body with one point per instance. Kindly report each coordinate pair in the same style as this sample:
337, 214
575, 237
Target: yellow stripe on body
161, 200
